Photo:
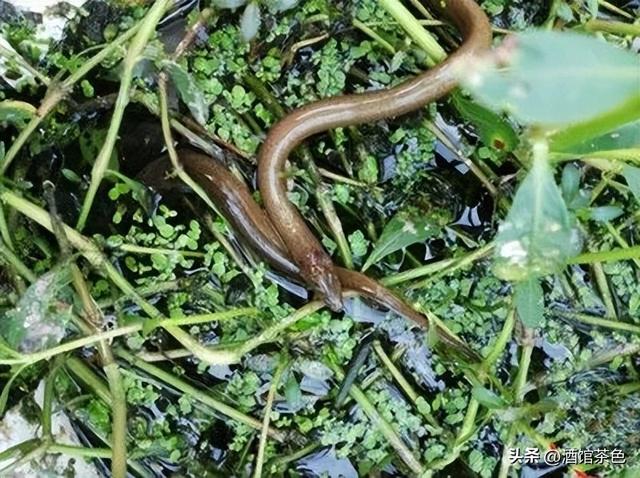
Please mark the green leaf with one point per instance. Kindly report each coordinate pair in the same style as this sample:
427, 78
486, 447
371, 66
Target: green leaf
557, 77
632, 176
605, 213
488, 398
292, 393
570, 183
188, 90
529, 302
492, 128
16, 112
401, 231
625, 137
38, 321
538, 235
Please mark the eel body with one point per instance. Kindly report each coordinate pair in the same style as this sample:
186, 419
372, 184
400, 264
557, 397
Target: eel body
233, 198
305, 250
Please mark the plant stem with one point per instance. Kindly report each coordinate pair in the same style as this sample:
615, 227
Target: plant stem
57, 92
91, 252
329, 212
443, 267
264, 432
138, 43
82, 372
601, 322
79, 451
518, 394
378, 421
403, 383
14, 55
606, 256
4, 230
374, 36
501, 342
197, 395
135, 249
271, 333
16, 263
413, 28
617, 28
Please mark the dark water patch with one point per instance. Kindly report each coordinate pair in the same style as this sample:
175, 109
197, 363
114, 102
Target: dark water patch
325, 463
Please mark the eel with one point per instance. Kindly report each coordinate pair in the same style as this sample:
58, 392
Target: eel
235, 202
316, 266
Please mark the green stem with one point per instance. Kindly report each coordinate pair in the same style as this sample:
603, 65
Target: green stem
413, 28
518, 395
118, 420
402, 382
198, 395
326, 205
126, 76
378, 421
80, 451
374, 36
501, 342
135, 249
602, 322
97, 260
617, 28
443, 267
56, 94
603, 285
16, 263
15, 56
4, 230
83, 373
264, 432
270, 334
607, 256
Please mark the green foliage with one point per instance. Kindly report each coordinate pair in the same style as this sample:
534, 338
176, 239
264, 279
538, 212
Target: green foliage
404, 229
15, 113
558, 77
188, 90
529, 301
494, 130
538, 235
39, 319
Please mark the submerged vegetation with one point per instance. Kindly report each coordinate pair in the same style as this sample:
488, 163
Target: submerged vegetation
507, 213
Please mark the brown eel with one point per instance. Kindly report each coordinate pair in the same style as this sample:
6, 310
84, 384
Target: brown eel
316, 266
249, 220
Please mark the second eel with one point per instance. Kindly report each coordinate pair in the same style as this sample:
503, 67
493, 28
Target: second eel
316, 266
248, 219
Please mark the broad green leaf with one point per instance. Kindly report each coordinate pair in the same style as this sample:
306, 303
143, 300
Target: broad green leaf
188, 90
632, 176
529, 302
493, 129
557, 77
401, 231
16, 113
488, 398
538, 235
39, 319
625, 137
